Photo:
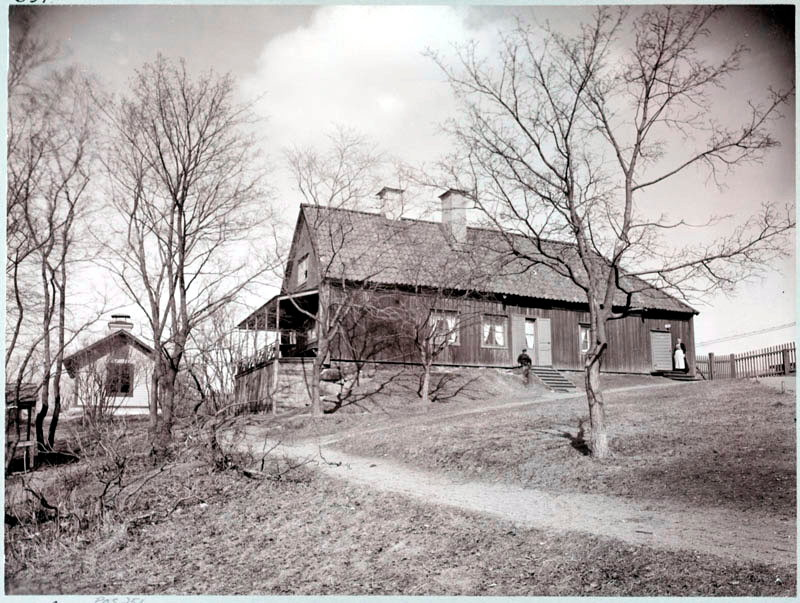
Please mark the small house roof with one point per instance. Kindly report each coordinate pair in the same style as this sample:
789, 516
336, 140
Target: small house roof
101, 347
360, 246
28, 395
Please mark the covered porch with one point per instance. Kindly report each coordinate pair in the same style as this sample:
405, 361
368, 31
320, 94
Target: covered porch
284, 327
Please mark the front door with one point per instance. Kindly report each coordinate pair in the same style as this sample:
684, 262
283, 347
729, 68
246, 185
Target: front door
661, 350
530, 337
544, 351
523, 337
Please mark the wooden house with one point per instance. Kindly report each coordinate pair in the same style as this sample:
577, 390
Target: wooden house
112, 375
494, 304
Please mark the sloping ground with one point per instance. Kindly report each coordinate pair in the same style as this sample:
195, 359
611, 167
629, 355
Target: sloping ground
311, 535
706, 467
722, 444
739, 536
390, 394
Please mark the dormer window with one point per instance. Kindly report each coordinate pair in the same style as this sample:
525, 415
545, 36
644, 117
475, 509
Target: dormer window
302, 270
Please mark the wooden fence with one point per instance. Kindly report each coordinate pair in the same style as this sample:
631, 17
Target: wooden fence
767, 362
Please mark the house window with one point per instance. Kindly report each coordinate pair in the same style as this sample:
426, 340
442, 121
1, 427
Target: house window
585, 338
119, 379
445, 327
530, 334
302, 270
494, 331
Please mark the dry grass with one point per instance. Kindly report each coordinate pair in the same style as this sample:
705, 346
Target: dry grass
398, 401
728, 444
316, 536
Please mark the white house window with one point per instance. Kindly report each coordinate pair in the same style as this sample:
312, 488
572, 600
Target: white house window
585, 338
494, 331
119, 379
530, 334
302, 270
445, 325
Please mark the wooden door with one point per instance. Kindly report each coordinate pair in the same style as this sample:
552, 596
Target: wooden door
661, 350
544, 351
517, 336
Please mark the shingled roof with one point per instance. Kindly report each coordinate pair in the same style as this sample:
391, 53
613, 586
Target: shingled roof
100, 348
361, 246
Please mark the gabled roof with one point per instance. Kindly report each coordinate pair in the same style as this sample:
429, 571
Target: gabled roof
28, 395
361, 246
102, 347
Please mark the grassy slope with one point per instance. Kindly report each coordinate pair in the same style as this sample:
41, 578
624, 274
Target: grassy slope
315, 536
729, 444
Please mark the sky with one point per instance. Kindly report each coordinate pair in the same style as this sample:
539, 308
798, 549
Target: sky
309, 69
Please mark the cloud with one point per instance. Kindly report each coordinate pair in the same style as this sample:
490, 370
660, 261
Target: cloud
362, 67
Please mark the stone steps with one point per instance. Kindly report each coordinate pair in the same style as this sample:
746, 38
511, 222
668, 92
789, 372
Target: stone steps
679, 376
552, 379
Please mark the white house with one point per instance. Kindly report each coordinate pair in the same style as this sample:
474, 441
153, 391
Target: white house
112, 375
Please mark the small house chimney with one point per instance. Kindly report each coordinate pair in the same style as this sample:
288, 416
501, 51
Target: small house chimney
390, 202
455, 204
120, 322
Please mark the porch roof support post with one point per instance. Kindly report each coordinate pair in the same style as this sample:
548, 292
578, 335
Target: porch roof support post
273, 387
278, 328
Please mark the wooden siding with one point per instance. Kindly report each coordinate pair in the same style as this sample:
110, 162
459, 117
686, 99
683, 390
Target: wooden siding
138, 402
629, 348
301, 247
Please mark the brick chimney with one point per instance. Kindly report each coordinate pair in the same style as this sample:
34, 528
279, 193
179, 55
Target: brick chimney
120, 322
455, 204
390, 202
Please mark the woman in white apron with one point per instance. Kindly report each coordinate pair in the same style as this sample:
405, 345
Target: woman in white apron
680, 358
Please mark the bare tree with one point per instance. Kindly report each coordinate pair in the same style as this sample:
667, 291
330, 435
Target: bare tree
213, 354
344, 177
433, 316
187, 187
535, 136
49, 167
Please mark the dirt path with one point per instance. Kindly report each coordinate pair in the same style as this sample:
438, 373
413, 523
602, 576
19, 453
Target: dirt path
722, 532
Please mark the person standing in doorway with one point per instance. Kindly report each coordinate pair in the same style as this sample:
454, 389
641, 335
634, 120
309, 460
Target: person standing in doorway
525, 362
679, 357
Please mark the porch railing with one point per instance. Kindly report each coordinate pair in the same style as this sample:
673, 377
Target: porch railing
260, 358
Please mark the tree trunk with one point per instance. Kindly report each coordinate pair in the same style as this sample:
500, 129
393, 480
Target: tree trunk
313, 387
324, 335
41, 443
51, 432
155, 379
167, 399
40, 417
426, 383
597, 411
62, 316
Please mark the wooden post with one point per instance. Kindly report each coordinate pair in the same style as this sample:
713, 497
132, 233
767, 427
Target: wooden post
711, 366
276, 360
786, 365
733, 366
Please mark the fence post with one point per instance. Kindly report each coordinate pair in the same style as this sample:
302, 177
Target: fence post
711, 366
733, 366
786, 366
